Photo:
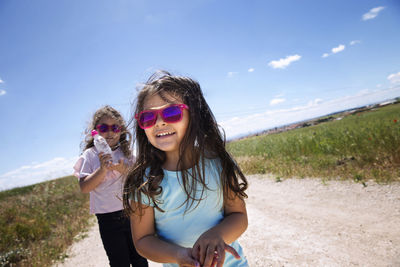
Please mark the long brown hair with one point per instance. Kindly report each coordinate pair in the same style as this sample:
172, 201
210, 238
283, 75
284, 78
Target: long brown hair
125, 137
202, 140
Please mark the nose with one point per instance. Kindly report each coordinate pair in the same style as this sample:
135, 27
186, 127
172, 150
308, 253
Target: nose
109, 133
160, 120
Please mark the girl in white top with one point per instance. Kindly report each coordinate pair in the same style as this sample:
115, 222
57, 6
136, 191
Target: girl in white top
185, 193
102, 176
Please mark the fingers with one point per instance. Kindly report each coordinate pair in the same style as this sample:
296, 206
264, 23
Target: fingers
104, 156
220, 256
186, 260
196, 252
214, 256
232, 251
210, 249
210, 254
202, 254
105, 160
193, 264
215, 261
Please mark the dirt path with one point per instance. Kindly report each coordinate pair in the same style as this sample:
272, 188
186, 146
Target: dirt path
304, 222
89, 252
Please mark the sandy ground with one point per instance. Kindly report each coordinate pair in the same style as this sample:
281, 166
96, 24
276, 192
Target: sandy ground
303, 222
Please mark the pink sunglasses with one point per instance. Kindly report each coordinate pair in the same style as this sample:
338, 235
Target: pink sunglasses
170, 114
103, 128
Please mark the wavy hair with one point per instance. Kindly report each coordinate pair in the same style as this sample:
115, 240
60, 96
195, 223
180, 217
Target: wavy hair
202, 139
125, 137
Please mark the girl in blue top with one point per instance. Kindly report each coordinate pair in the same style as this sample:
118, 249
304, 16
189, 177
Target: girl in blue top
185, 193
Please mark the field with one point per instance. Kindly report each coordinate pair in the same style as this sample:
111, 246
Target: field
361, 146
39, 222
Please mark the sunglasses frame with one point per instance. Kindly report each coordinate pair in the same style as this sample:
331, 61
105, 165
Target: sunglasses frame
160, 112
109, 128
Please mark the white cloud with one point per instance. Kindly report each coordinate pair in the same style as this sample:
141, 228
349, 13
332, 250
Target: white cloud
37, 172
1, 81
372, 13
250, 70
284, 62
335, 50
394, 78
314, 102
277, 101
317, 101
3, 92
232, 73
354, 42
244, 125
338, 49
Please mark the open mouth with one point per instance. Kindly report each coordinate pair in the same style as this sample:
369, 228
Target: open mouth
165, 134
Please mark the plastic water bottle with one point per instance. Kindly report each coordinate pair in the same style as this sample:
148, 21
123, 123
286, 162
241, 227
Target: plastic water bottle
100, 143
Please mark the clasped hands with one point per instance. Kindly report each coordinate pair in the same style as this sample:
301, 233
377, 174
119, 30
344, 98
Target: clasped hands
208, 251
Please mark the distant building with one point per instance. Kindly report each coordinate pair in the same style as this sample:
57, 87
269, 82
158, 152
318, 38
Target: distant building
389, 102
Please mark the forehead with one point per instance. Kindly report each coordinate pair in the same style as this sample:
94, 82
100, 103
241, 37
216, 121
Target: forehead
158, 100
108, 120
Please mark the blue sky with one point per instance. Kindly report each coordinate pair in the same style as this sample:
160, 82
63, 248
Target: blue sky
261, 64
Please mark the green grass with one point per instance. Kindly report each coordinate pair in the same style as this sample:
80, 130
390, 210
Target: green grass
39, 222
361, 147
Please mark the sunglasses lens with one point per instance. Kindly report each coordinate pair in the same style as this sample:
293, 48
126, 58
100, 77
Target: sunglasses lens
172, 114
116, 128
102, 128
147, 119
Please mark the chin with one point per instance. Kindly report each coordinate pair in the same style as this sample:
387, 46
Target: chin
112, 144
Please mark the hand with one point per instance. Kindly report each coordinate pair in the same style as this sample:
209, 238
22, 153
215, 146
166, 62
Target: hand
105, 161
210, 249
121, 167
185, 259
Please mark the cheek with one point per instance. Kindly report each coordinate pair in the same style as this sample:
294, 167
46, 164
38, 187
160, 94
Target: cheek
184, 129
148, 134
185, 123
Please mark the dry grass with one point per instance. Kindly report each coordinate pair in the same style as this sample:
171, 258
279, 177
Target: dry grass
39, 222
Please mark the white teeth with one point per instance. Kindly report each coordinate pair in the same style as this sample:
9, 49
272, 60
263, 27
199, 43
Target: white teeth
163, 134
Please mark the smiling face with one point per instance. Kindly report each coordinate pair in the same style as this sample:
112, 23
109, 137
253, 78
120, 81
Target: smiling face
111, 137
166, 136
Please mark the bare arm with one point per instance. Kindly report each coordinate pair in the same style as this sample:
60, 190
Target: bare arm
214, 241
91, 181
151, 247
235, 221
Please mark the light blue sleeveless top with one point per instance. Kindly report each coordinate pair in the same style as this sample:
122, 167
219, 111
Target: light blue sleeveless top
175, 226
